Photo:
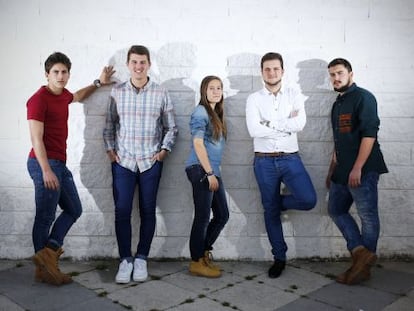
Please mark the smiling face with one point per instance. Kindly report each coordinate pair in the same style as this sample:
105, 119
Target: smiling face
214, 92
341, 78
272, 73
138, 66
57, 78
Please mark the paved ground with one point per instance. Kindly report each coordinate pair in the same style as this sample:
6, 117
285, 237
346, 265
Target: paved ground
244, 286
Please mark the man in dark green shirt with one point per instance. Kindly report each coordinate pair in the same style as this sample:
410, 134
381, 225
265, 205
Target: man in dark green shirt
354, 171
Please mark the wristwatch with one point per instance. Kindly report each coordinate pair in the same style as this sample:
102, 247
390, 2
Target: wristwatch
97, 83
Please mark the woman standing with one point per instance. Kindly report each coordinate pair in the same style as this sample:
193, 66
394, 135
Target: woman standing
208, 131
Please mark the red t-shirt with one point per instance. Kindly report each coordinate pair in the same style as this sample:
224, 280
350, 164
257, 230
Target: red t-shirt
53, 111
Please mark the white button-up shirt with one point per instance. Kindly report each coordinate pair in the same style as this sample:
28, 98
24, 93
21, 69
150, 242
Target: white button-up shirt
273, 121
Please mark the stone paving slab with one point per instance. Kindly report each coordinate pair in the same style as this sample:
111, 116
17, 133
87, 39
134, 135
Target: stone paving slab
7, 305
253, 295
305, 303
406, 303
17, 285
296, 280
353, 297
244, 286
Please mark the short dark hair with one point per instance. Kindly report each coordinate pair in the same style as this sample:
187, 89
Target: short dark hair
340, 61
271, 56
140, 50
57, 58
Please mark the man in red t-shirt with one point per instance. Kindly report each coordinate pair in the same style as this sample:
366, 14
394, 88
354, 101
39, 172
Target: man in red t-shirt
47, 113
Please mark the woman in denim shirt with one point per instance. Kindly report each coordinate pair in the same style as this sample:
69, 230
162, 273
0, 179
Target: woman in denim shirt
208, 131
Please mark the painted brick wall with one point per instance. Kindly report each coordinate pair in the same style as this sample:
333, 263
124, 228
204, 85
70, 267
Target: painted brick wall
190, 39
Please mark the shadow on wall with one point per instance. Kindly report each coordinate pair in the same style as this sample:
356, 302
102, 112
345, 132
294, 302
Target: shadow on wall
245, 228
176, 62
95, 168
316, 149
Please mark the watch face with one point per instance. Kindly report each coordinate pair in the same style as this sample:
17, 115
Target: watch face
97, 83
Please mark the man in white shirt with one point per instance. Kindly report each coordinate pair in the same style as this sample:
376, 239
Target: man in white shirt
274, 115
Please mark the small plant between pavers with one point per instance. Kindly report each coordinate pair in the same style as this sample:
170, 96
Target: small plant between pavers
155, 277
103, 294
73, 273
330, 276
250, 277
228, 304
188, 300
201, 296
19, 265
101, 266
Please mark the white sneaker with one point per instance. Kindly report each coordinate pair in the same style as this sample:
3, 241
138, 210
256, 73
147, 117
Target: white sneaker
140, 270
124, 272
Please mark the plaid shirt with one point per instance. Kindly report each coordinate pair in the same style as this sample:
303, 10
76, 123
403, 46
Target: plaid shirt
139, 124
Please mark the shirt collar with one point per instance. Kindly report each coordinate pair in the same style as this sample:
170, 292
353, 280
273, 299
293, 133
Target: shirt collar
349, 90
265, 91
144, 88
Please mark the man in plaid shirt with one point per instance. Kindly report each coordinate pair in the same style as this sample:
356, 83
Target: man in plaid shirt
140, 131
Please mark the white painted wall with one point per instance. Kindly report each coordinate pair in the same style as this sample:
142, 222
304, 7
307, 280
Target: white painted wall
188, 40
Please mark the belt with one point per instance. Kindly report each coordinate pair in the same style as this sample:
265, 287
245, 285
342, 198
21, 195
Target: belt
273, 154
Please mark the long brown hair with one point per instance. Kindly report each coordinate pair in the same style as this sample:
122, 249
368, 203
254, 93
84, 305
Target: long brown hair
216, 115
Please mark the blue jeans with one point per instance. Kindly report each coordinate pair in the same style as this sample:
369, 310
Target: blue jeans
205, 232
365, 197
46, 203
270, 172
124, 183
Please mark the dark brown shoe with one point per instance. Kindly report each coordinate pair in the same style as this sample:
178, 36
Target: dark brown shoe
343, 277
362, 260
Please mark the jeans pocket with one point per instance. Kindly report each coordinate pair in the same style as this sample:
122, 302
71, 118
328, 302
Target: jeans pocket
195, 173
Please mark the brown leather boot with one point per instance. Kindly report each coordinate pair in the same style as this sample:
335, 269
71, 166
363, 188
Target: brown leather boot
362, 259
200, 268
208, 258
46, 260
66, 279
343, 277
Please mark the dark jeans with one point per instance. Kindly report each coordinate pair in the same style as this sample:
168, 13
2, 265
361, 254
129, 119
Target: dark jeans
270, 172
124, 183
365, 197
205, 232
46, 203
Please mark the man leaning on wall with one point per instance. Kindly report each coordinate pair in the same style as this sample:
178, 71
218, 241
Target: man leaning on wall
140, 132
47, 113
274, 115
356, 165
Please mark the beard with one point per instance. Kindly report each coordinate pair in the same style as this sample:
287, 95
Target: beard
343, 88
273, 84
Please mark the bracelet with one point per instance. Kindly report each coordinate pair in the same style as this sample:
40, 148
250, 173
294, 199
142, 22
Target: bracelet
211, 173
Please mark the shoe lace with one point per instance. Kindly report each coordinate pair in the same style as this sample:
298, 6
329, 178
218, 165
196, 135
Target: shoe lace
123, 267
139, 264
208, 258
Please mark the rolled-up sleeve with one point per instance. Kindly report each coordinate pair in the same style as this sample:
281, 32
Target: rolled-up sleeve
198, 123
169, 126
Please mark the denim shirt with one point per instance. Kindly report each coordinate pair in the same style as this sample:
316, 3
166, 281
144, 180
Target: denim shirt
200, 127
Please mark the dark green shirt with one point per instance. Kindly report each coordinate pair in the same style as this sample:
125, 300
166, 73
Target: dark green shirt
354, 116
